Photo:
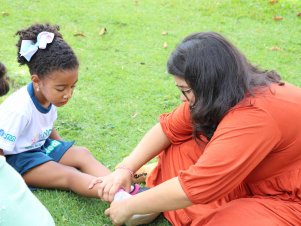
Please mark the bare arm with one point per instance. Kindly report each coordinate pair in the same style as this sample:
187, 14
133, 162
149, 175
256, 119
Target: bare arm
55, 135
166, 196
151, 145
1, 152
153, 142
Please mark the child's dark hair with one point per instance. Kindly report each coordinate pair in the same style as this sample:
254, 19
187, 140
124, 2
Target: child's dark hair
4, 85
57, 56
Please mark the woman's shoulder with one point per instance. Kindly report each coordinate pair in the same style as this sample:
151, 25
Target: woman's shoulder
268, 95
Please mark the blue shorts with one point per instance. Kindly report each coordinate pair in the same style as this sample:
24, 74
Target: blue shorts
52, 150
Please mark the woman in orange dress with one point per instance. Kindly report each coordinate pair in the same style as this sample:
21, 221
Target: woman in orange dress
230, 154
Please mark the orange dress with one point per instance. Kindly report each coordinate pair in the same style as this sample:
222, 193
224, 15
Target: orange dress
249, 173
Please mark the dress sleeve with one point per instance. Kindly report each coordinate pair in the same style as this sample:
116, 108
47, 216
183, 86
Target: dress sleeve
11, 126
177, 124
242, 140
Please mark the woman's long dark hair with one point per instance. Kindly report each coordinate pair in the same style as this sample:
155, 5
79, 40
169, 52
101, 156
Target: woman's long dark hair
219, 75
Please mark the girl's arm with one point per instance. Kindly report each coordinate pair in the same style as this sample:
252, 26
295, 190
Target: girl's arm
1, 152
54, 135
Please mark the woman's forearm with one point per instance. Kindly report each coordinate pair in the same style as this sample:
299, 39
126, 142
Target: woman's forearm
150, 146
166, 196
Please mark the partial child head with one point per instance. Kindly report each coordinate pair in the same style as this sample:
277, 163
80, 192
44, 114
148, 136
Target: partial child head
217, 73
53, 68
4, 85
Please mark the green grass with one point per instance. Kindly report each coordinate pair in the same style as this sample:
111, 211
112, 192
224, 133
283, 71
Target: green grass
123, 85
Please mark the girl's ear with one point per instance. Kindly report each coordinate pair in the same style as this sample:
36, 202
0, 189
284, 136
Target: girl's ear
36, 81
35, 78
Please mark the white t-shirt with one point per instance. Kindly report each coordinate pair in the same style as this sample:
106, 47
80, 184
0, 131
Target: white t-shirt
25, 124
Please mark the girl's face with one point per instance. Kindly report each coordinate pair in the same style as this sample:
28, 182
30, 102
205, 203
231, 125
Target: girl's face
186, 91
55, 88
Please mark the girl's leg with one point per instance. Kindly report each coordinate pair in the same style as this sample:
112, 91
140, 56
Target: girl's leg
81, 159
55, 175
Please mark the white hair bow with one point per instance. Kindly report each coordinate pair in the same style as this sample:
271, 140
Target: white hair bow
29, 48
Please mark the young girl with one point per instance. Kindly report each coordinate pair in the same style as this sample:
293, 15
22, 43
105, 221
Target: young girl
15, 197
28, 138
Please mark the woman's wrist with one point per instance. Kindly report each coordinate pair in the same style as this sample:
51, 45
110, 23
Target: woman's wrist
124, 167
131, 162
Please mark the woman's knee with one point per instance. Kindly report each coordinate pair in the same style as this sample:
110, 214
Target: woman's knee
245, 211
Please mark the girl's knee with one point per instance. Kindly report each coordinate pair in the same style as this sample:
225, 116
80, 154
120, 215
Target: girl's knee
84, 151
86, 155
82, 154
77, 157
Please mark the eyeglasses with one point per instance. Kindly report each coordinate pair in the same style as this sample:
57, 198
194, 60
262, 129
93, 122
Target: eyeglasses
185, 92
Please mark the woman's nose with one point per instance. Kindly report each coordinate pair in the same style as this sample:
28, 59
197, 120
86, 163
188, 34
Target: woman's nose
182, 98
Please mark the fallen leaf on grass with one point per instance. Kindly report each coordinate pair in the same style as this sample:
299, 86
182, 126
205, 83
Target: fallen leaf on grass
134, 115
102, 31
299, 14
79, 34
275, 48
5, 14
273, 1
277, 18
165, 45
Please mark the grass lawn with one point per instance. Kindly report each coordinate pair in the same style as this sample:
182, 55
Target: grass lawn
123, 85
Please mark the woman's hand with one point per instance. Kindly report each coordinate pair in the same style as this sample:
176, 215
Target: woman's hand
118, 212
110, 184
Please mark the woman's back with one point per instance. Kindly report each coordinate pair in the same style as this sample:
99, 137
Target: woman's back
279, 173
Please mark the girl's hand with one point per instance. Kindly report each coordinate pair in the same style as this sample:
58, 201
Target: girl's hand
118, 212
110, 184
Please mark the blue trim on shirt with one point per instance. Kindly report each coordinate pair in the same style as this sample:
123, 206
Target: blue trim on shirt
35, 100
